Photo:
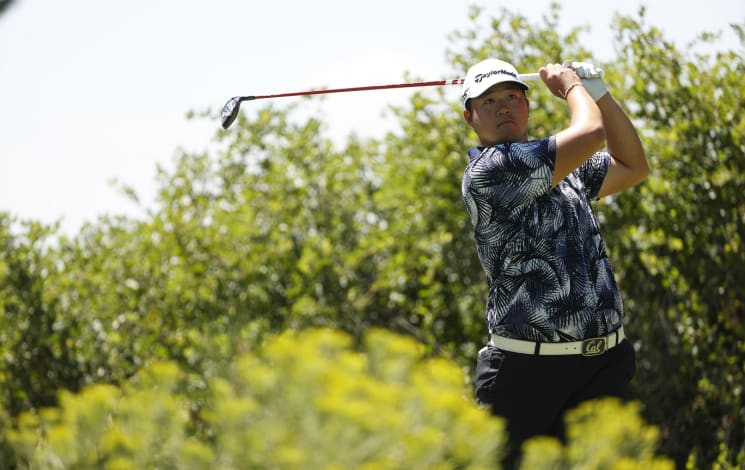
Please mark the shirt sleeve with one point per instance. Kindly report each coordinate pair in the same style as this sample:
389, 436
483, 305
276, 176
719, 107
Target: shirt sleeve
592, 173
510, 175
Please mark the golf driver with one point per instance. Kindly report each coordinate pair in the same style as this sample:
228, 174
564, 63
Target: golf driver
231, 108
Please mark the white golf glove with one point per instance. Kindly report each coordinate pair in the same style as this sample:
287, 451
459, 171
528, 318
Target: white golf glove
591, 76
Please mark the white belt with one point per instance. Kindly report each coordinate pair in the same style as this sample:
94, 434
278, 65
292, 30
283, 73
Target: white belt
588, 347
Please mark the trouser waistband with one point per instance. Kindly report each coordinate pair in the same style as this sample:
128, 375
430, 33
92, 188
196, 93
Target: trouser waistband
587, 347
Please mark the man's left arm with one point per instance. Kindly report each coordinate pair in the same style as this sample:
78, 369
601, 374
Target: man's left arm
628, 166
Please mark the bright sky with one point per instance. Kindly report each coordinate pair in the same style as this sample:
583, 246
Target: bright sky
92, 91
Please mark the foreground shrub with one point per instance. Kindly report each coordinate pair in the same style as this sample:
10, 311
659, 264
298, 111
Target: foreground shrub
307, 400
603, 434
312, 400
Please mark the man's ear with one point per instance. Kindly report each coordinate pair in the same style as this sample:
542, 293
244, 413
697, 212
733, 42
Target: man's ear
468, 117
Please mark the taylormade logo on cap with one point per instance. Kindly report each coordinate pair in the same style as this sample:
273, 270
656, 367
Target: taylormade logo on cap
486, 74
482, 76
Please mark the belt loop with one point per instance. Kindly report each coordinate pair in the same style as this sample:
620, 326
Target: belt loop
616, 332
537, 348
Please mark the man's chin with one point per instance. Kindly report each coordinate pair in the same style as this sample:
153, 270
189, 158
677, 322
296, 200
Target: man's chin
505, 135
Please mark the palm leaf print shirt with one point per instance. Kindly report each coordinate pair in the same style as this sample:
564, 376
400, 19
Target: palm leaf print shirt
548, 274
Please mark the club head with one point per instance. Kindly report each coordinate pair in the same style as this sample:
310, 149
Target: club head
230, 111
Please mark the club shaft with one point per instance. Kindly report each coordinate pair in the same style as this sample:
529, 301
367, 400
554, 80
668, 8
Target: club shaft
456, 81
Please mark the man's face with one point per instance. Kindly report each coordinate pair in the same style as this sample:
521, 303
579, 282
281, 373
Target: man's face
499, 115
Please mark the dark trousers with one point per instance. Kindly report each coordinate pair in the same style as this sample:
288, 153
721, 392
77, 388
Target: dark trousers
533, 392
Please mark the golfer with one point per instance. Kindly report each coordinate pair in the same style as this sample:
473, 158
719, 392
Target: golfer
554, 313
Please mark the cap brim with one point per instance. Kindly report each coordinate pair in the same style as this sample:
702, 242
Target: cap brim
479, 90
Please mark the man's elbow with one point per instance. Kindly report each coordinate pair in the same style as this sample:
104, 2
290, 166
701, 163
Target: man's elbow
640, 171
595, 135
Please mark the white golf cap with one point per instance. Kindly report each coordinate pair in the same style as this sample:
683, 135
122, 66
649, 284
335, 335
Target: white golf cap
486, 74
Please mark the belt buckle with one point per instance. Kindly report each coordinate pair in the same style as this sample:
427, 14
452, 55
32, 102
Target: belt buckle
594, 346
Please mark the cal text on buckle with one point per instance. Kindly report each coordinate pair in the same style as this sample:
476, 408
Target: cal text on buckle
594, 346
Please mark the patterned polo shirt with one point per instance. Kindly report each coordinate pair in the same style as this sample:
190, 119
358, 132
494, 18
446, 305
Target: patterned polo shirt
548, 273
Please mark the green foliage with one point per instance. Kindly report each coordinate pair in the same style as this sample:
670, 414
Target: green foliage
306, 400
36, 360
280, 229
